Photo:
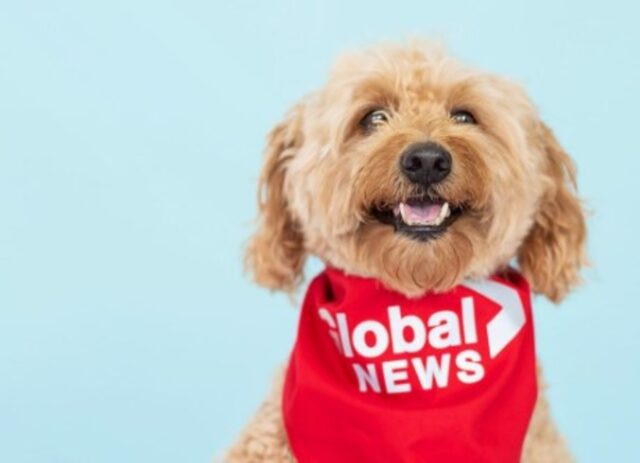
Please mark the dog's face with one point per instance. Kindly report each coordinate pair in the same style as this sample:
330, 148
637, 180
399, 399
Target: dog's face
413, 169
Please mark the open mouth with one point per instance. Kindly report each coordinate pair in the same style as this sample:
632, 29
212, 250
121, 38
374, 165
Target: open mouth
421, 218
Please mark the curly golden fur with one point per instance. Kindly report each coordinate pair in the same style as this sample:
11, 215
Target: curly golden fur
323, 175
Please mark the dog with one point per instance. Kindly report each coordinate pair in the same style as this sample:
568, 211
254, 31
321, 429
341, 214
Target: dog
414, 170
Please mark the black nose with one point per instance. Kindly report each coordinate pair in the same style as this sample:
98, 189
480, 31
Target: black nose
425, 163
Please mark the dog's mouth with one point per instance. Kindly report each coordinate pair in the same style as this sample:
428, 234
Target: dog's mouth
420, 218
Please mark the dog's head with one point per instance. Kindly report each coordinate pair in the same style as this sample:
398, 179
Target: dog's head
415, 170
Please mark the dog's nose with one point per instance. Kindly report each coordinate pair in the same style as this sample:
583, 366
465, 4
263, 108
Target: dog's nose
425, 163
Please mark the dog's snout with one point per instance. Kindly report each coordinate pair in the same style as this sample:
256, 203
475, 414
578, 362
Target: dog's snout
425, 163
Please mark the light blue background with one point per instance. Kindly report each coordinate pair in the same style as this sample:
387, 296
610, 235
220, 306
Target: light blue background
130, 141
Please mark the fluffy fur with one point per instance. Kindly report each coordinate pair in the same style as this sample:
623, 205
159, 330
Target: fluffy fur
323, 175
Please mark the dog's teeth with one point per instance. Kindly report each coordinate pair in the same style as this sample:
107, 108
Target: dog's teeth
403, 214
445, 211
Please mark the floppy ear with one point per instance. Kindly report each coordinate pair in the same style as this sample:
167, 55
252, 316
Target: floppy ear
554, 251
275, 254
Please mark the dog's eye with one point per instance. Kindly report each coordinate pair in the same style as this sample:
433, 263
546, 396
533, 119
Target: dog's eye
374, 119
461, 116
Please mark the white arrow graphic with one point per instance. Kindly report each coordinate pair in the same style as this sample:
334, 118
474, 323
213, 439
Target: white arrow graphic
509, 321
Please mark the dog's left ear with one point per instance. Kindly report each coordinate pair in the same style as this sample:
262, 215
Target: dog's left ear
275, 254
553, 253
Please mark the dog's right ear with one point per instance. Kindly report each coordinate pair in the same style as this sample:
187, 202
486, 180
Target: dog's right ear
553, 253
275, 254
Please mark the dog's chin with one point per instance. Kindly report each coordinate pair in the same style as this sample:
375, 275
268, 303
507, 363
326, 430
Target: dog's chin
420, 218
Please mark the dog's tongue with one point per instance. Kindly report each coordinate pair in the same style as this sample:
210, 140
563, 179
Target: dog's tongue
420, 213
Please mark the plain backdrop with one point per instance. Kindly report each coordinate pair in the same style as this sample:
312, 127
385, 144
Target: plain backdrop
130, 142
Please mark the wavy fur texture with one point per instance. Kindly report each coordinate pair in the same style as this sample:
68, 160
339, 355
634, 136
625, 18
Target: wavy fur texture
322, 175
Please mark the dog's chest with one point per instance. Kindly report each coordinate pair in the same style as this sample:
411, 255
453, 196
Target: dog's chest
418, 375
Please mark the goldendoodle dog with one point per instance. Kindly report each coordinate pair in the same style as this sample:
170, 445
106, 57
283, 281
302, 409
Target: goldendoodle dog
438, 201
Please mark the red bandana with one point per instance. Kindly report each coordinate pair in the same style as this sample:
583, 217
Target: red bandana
375, 377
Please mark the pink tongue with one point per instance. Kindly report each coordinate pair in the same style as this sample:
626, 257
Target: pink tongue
425, 213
